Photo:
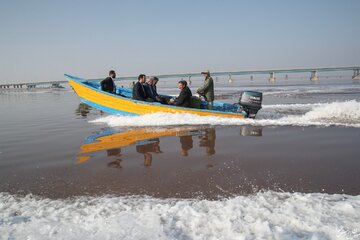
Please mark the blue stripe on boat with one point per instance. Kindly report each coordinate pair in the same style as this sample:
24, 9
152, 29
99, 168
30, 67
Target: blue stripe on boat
106, 109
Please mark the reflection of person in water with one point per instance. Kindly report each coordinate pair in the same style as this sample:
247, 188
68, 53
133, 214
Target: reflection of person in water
115, 164
115, 152
208, 141
147, 149
83, 109
147, 159
186, 144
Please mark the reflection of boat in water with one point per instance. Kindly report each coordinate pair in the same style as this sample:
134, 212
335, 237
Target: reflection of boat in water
111, 139
147, 141
122, 102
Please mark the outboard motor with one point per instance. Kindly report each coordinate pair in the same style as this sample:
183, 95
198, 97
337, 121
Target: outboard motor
250, 102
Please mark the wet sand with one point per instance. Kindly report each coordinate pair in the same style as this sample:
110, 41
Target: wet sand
188, 162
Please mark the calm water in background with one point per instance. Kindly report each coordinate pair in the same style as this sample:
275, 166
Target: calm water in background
305, 140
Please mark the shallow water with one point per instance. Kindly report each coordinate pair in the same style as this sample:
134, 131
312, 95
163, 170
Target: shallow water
68, 171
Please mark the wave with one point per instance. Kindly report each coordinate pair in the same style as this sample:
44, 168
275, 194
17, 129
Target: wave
291, 91
264, 215
320, 114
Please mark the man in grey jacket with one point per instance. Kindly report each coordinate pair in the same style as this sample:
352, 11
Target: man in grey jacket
207, 90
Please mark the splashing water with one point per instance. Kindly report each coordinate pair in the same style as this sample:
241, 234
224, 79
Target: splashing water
321, 114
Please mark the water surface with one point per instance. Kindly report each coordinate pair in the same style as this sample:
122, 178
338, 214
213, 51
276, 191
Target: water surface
290, 174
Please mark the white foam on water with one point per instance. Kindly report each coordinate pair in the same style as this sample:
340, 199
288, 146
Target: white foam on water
290, 91
320, 114
310, 90
264, 215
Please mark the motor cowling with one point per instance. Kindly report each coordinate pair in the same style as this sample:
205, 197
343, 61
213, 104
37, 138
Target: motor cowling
250, 102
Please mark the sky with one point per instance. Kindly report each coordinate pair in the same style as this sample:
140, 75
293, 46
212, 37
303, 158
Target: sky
40, 40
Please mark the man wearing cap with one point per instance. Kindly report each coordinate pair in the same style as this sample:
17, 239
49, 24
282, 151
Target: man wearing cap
207, 90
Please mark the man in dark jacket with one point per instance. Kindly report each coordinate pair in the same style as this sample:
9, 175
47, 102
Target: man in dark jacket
108, 84
184, 98
149, 90
139, 90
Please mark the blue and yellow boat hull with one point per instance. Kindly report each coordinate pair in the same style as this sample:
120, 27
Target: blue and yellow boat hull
90, 94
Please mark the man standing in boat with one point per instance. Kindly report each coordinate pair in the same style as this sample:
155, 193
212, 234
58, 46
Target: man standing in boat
207, 90
139, 92
108, 84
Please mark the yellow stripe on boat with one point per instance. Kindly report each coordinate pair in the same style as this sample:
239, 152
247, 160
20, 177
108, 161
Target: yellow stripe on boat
137, 107
124, 139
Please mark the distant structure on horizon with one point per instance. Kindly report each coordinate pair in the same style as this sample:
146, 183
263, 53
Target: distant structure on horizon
271, 72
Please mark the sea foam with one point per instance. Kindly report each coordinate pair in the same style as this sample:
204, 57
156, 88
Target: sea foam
264, 215
320, 114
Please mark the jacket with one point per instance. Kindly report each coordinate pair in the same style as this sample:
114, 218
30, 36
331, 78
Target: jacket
149, 90
108, 85
207, 90
139, 92
184, 98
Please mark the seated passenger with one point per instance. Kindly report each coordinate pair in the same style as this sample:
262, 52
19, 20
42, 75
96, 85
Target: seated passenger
157, 97
184, 98
149, 90
108, 84
139, 90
